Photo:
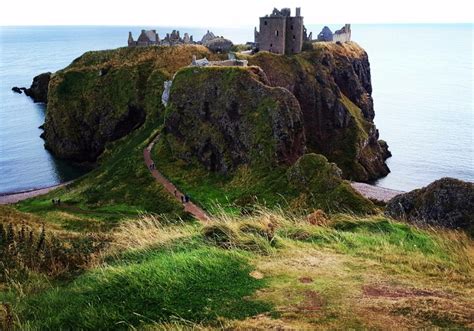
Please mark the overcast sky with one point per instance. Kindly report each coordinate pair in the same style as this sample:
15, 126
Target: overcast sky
203, 13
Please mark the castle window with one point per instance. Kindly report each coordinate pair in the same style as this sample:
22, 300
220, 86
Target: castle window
265, 22
276, 33
271, 45
294, 37
292, 27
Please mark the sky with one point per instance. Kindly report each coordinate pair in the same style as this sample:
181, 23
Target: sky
214, 13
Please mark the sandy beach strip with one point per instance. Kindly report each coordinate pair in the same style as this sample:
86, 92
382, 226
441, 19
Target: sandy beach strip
375, 192
19, 196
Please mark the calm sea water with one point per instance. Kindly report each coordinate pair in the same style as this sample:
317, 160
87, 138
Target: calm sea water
423, 90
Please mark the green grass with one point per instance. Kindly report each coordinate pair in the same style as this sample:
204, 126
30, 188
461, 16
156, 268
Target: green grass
197, 285
272, 186
120, 188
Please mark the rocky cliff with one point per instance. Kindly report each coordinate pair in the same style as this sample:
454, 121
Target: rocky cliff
333, 86
102, 96
227, 116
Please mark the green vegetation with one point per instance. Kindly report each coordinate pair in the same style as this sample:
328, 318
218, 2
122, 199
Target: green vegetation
196, 285
267, 269
311, 183
119, 252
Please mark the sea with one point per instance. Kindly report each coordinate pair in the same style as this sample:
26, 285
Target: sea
422, 78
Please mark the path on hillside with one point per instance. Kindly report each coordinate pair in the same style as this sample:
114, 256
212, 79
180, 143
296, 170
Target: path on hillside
19, 196
189, 207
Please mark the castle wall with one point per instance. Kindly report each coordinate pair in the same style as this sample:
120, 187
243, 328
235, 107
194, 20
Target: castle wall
294, 35
343, 35
272, 34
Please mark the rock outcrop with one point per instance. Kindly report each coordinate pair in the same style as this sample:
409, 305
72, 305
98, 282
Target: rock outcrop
102, 96
446, 202
228, 116
38, 90
333, 86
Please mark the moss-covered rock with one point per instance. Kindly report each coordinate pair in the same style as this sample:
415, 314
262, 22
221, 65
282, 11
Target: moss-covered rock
447, 202
321, 186
104, 95
332, 84
226, 117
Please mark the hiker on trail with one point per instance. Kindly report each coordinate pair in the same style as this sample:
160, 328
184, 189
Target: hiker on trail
182, 199
186, 198
175, 193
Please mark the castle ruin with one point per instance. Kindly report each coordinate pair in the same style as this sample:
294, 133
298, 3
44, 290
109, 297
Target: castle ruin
150, 38
281, 33
342, 35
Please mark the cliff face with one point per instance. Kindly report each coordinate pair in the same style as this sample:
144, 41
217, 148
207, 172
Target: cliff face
332, 84
227, 117
102, 96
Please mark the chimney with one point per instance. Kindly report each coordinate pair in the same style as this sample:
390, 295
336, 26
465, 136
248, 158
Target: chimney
298, 11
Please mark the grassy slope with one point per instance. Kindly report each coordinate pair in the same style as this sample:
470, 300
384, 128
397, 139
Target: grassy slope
355, 272
351, 273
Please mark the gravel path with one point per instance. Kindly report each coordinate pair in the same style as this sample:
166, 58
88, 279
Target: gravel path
16, 197
375, 192
189, 207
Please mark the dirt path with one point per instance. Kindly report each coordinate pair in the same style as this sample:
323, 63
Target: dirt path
16, 197
375, 192
189, 207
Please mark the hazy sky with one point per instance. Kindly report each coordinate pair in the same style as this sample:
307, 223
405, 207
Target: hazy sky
228, 13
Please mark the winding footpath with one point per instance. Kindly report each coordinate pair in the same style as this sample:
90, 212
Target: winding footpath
189, 207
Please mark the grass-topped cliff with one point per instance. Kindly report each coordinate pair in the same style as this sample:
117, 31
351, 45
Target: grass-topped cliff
333, 86
119, 252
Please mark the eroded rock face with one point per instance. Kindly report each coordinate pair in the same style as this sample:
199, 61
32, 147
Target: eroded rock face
38, 90
447, 202
227, 116
332, 84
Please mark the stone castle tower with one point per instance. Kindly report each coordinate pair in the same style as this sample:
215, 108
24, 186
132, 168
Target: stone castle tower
280, 32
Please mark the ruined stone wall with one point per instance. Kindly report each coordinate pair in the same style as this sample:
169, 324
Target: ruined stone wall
342, 37
272, 34
294, 35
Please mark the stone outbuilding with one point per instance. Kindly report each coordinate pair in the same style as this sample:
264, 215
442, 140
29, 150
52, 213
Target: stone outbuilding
146, 38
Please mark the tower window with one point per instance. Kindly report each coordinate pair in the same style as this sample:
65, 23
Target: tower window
292, 27
276, 33
294, 37
265, 23
271, 45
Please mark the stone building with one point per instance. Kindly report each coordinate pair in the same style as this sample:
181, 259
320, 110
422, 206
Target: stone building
325, 34
146, 38
342, 35
281, 33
